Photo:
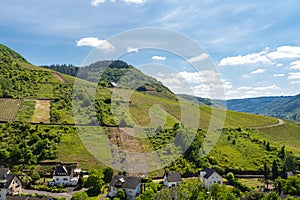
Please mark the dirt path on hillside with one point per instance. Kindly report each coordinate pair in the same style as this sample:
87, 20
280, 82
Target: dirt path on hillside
280, 122
59, 77
41, 111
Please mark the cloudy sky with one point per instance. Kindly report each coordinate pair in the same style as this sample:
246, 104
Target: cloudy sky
253, 46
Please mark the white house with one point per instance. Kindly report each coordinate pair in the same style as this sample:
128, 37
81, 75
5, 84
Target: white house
10, 184
130, 184
64, 176
209, 177
171, 179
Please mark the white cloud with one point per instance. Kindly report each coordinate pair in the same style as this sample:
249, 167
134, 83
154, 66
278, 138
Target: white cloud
251, 92
247, 59
245, 76
249, 88
295, 65
258, 71
131, 49
264, 57
295, 82
135, 1
207, 76
97, 2
285, 52
201, 57
244, 88
159, 58
95, 42
294, 75
278, 75
271, 87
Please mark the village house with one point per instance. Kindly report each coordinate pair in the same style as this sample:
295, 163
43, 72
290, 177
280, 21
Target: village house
171, 179
10, 184
130, 184
64, 176
209, 177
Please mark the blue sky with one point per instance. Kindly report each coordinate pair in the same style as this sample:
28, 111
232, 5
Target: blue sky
255, 45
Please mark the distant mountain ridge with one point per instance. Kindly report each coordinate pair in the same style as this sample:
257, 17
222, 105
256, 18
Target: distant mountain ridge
285, 107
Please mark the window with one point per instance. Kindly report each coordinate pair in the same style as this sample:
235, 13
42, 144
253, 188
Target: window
57, 179
130, 191
65, 179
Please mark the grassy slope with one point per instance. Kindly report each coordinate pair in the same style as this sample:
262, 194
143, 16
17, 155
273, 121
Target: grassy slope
287, 134
242, 151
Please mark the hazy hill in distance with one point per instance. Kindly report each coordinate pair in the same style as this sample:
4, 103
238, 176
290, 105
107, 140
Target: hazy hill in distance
203, 101
286, 107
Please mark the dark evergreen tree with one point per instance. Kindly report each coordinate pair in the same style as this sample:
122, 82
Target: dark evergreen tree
274, 170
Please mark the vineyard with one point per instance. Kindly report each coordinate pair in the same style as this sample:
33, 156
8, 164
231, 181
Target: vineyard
9, 109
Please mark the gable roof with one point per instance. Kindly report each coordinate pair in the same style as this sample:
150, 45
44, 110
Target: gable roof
63, 171
5, 183
122, 181
173, 176
208, 172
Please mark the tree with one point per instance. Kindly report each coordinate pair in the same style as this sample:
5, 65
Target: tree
266, 171
290, 162
121, 194
254, 195
94, 183
279, 185
230, 176
292, 185
274, 170
108, 173
284, 172
80, 196
165, 193
268, 147
272, 196
281, 153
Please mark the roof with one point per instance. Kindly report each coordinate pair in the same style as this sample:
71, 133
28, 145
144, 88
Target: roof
173, 177
5, 183
122, 181
3, 172
113, 84
63, 171
208, 172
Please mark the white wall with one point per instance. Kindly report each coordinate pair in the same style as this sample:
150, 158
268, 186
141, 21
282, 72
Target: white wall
2, 194
61, 180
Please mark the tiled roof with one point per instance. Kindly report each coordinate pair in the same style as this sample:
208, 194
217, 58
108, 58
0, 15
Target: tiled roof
63, 171
122, 181
173, 177
209, 172
5, 183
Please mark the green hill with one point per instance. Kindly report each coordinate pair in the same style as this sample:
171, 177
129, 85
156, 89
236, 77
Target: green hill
125, 76
29, 92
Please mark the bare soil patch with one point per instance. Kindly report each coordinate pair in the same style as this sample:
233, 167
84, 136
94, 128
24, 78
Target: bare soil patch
41, 112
